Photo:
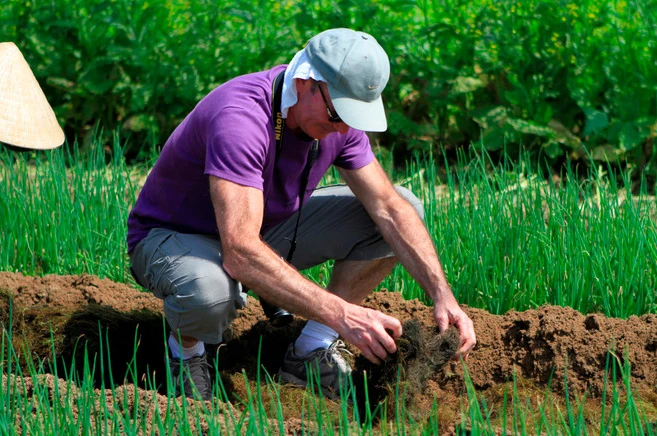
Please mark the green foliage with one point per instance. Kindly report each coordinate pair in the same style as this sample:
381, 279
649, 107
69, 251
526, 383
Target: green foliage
139, 66
558, 78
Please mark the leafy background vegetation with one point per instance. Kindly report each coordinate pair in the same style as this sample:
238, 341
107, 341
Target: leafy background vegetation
560, 79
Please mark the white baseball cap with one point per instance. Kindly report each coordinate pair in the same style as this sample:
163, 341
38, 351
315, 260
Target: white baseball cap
356, 70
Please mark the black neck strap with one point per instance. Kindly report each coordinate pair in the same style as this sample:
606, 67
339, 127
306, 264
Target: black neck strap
279, 129
277, 115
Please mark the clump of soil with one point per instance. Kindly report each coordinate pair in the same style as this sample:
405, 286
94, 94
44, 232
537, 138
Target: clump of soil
422, 352
53, 319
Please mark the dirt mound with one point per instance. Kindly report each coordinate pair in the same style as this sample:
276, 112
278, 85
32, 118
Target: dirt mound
146, 408
72, 292
538, 347
544, 345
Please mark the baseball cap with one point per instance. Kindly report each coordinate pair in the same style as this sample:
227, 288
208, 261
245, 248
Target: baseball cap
26, 118
356, 70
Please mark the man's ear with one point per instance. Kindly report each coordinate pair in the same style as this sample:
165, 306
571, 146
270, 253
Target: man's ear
303, 85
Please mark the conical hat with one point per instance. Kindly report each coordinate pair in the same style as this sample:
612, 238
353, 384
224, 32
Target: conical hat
26, 118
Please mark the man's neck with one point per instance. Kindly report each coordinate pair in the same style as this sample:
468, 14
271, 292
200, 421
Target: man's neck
293, 126
291, 121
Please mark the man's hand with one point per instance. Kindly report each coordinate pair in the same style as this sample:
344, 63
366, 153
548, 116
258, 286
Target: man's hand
366, 329
448, 313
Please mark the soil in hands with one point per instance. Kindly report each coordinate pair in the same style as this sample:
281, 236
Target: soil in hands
422, 352
536, 350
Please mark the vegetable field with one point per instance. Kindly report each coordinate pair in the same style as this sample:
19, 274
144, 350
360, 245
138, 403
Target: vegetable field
526, 127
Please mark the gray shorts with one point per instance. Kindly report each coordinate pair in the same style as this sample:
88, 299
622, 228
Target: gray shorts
201, 300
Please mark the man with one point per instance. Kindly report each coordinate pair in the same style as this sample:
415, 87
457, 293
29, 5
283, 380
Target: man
221, 207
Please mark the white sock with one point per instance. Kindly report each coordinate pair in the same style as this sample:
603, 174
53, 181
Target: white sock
313, 336
187, 353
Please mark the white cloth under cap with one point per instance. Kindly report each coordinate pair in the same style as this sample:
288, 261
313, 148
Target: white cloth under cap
299, 68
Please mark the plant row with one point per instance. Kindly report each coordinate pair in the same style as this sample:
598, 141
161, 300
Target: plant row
508, 239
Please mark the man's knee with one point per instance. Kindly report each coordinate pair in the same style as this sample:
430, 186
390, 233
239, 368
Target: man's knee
204, 306
206, 288
412, 199
200, 298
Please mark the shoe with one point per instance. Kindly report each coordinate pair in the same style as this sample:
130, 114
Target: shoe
196, 380
333, 369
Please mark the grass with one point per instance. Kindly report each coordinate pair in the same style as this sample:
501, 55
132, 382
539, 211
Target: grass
65, 213
508, 238
511, 239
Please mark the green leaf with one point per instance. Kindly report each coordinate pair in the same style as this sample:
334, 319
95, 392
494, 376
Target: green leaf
141, 96
553, 149
563, 135
543, 113
628, 135
529, 127
60, 82
140, 123
489, 116
462, 85
399, 124
606, 153
494, 137
595, 121
98, 77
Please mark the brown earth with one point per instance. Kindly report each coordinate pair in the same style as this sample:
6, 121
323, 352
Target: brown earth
535, 350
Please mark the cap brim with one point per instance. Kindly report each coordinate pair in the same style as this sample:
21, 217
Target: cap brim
368, 116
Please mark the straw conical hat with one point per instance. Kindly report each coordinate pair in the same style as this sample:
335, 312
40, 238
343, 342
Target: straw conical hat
26, 118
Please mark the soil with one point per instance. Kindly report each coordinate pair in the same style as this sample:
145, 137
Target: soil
532, 352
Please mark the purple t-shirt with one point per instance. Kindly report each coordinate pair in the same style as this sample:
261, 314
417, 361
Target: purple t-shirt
230, 135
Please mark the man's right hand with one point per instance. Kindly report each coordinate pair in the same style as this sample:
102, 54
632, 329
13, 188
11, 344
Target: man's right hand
368, 330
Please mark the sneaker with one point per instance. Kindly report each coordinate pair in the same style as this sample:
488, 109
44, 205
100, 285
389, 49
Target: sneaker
196, 380
333, 369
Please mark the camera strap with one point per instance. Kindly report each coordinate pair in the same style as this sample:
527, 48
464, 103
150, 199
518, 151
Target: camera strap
279, 129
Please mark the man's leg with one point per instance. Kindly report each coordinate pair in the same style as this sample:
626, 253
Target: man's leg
353, 280
200, 299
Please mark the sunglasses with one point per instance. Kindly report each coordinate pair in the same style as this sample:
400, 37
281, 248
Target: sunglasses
333, 117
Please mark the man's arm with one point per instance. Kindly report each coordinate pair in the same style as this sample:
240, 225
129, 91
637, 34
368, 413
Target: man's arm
403, 229
247, 259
